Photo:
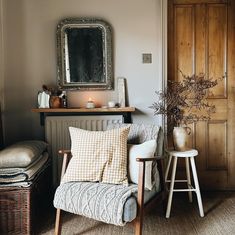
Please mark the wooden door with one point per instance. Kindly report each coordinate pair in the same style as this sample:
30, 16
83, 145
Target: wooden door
201, 38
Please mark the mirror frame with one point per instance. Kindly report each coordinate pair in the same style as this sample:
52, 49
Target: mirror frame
77, 23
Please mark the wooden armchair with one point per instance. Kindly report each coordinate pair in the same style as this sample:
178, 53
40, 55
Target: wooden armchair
142, 206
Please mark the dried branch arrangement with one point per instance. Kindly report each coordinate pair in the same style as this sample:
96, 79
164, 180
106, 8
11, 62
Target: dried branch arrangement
185, 101
52, 90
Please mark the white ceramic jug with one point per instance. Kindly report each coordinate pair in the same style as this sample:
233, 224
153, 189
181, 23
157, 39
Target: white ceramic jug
180, 138
43, 99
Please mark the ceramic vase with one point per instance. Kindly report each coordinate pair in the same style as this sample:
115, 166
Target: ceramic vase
181, 137
55, 102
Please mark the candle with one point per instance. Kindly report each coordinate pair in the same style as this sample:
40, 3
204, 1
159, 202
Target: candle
90, 104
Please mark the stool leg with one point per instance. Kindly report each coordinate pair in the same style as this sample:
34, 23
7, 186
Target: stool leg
168, 210
168, 167
188, 179
195, 178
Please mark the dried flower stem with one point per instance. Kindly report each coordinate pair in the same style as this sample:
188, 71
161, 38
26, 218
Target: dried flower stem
185, 102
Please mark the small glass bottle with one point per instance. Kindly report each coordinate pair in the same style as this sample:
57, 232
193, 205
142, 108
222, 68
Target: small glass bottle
64, 99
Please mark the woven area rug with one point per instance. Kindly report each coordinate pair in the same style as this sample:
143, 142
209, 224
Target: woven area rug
219, 219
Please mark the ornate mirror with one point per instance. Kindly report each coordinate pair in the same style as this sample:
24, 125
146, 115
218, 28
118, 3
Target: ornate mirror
84, 48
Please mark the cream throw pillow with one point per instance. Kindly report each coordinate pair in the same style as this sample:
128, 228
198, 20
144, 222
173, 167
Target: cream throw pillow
21, 154
144, 150
98, 156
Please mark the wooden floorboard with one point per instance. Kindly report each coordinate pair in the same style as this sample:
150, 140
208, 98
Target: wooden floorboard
219, 219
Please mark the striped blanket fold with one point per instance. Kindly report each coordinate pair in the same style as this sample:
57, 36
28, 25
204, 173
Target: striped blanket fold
17, 175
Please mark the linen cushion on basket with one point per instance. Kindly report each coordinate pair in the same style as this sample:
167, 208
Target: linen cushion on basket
98, 156
144, 150
21, 154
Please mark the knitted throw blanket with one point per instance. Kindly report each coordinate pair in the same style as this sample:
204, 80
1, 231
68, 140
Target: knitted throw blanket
103, 202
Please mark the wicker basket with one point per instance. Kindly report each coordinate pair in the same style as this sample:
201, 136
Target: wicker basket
21, 208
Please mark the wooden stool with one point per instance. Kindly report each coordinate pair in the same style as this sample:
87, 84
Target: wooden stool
190, 154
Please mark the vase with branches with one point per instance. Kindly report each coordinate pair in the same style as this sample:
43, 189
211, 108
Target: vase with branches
185, 101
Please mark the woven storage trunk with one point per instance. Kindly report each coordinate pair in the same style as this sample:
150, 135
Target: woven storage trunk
21, 209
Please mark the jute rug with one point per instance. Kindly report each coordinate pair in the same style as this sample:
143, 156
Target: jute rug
219, 219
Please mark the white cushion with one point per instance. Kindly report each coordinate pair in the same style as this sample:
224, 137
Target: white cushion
144, 150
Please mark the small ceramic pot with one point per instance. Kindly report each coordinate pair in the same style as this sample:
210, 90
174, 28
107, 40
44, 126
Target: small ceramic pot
55, 102
181, 138
111, 104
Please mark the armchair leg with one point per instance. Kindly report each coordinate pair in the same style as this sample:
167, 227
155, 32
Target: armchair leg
140, 200
58, 224
139, 224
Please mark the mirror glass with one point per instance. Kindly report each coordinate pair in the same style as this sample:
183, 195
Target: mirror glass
84, 49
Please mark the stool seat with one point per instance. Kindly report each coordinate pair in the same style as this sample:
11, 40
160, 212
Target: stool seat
189, 158
188, 153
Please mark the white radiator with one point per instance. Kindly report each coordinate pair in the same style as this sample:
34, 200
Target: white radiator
57, 134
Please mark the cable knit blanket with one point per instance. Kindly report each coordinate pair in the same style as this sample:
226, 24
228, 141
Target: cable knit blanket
103, 202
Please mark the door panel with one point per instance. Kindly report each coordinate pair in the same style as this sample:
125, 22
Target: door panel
217, 46
201, 39
216, 146
184, 39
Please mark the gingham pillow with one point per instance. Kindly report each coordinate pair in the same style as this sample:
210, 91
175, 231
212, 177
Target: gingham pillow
98, 156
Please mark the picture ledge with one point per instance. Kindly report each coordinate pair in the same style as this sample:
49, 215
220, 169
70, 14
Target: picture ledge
82, 110
124, 111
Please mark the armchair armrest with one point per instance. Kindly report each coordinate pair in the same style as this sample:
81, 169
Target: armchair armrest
63, 151
141, 181
66, 158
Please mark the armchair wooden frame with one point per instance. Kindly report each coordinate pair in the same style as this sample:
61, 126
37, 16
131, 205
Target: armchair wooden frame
141, 207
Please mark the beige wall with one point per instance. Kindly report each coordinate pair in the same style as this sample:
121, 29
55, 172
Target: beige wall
30, 55
1, 63
1, 55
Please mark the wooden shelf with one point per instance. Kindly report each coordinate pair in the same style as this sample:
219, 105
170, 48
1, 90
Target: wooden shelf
84, 110
124, 111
